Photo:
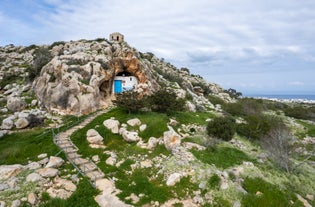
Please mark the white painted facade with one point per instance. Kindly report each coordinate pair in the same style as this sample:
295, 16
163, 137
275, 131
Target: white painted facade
128, 82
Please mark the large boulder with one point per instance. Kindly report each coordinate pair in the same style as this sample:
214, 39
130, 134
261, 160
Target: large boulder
54, 162
171, 139
134, 122
112, 125
7, 123
15, 103
21, 123
48, 172
129, 136
8, 171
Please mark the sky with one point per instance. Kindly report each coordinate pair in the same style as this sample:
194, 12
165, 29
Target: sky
253, 46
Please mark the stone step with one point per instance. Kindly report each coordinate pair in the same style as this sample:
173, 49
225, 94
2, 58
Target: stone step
74, 157
88, 167
95, 175
80, 161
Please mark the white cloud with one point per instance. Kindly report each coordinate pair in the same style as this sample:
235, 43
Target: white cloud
297, 83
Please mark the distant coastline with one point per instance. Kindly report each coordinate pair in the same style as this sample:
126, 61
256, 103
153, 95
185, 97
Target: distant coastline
285, 98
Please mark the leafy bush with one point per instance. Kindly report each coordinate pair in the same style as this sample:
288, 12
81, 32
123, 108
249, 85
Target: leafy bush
130, 101
42, 57
222, 128
245, 106
215, 100
301, 112
34, 121
214, 181
165, 101
8, 78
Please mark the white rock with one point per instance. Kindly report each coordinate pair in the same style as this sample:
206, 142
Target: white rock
33, 177
303, 200
152, 143
112, 125
171, 139
111, 161
15, 103
65, 184
129, 136
134, 122
2, 204
42, 156
8, 171
54, 162
93, 137
48, 172
146, 164
173, 179
58, 193
31, 198
34, 102
43, 161
143, 127
21, 123
33, 166
105, 185
16, 203
7, 123
96, 158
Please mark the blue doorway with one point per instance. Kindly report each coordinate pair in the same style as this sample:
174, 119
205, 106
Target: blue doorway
117, 86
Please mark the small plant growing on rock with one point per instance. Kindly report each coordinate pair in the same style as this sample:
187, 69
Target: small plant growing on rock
221, 128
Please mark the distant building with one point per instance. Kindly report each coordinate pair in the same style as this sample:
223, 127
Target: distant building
116, 36
124, 82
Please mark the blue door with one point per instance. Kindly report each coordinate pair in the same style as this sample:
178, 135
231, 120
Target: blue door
117, 86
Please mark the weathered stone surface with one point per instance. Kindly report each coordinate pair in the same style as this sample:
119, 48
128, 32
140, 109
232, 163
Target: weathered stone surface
8, 171
15, 103
42, 156
134, 122
21, 123
48, 172
54, 162
33, 177
129, 136
93, 137
7, 123
173, 179
58, 193
171, 139
32, 198
96, 158
16, 203
152, 143
65, 184
112, 125
143, 127
33, 166
303, 200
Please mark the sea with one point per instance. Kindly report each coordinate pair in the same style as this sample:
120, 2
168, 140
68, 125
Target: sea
291, 98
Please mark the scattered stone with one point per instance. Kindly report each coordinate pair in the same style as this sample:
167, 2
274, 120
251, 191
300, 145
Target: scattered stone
8, 171
93, 137
2, 204
54, 162
65, 184
129, 136
112, 159
173, 122
21, 123
33, 177
34, 102
173, 179
237, 204
16, 203
58, 193
31, 198
15, 103
42, 156
152, 143
4, 186
43, 161
33, 166
134, 122
146, 164
303, 200
143, 127
310, 197
258, 193
134, 199
171, 139
112, 125
48, 172
7, 123
96, 158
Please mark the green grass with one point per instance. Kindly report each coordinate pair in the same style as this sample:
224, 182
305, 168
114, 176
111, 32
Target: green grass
270, 195
310, 128
193, 117
222, 157
23, 146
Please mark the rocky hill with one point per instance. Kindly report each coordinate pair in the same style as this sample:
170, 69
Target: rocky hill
56, 150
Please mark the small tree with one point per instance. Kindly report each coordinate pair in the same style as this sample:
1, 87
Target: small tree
166, 101
222, 128
278, 144
130, 101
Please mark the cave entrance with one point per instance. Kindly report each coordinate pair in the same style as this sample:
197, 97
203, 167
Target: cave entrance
124, 81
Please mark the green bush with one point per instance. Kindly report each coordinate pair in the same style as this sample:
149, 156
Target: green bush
301, 112
222, 128
165, 101
245, 106
42, 57
130, 101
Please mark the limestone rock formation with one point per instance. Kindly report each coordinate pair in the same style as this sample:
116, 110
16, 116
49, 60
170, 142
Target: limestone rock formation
171, 139
112, 125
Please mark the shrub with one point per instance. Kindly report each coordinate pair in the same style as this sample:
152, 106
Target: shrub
165, 101
301, 112
42, 57
222, 128
245, 106
34, 121
130, 101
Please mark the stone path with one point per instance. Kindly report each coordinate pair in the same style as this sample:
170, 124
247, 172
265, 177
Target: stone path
84, 165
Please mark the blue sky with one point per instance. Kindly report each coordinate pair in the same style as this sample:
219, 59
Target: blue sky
256, 47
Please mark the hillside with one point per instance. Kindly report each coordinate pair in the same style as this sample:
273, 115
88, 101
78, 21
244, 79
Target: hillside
64, 143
